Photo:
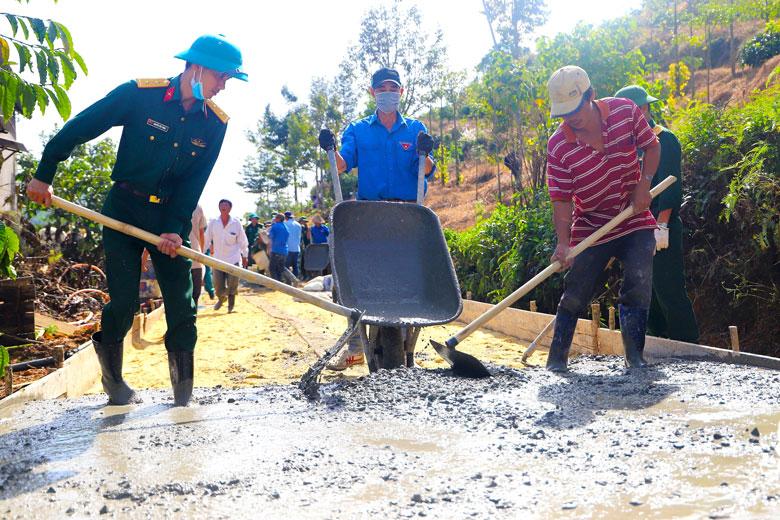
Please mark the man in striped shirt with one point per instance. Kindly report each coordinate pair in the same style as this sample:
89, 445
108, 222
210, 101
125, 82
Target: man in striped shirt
593, 173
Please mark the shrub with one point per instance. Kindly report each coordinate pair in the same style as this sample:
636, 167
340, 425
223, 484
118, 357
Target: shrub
762, 46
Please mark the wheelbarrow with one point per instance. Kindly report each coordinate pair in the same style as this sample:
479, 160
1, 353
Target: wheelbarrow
316, 258
390, 260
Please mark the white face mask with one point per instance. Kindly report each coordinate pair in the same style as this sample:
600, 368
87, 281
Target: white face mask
388, 102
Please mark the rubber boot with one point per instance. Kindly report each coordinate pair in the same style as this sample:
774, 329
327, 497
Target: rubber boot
557, 359
182, 368
110, 357
633, 324
219, 303
231, 302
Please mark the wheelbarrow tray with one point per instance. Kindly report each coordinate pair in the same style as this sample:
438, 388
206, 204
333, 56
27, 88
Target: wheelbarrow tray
390, 260
316, 257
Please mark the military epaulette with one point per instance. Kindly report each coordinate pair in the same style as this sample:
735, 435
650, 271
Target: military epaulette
152, 82
218, 111
657, 129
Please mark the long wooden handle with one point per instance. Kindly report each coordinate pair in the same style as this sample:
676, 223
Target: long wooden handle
552, 268
200, 257
421, 179
334, 175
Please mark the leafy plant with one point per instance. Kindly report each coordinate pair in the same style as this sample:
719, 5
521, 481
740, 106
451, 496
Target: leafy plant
44, 50
9, 247
762, 46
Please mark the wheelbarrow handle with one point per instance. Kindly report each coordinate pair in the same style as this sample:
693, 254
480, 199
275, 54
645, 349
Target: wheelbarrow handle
421, 178
334, 174
200, 257
552, 268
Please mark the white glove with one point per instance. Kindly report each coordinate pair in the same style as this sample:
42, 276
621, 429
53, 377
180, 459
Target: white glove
661, 238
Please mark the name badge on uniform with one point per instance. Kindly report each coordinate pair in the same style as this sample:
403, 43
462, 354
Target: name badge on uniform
200, 143
405, 146
158, 125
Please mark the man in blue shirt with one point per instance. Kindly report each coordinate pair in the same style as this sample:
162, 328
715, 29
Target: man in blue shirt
293, 242
318, 233
385, 148
277, 249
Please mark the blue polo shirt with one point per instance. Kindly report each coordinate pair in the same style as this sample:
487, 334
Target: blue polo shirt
278, 234
319, 234
386, 161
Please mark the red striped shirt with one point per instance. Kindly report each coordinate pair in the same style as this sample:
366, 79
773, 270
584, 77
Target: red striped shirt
600, 184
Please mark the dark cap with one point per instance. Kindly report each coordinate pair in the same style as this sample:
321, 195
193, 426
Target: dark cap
385, 74
303, 219
288, 214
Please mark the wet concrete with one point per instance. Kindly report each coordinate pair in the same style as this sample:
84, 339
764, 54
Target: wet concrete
681, 439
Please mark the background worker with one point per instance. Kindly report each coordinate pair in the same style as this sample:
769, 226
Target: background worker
671, 313
318, 232
226, 238
197, 239
385, 148
593, 173
171, 138
277, 248
252, 230
294, 231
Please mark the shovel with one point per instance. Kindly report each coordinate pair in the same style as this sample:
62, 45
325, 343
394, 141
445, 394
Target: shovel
308, 383
466, 367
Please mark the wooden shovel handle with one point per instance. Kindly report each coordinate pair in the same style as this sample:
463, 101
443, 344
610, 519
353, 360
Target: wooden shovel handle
552, 268
210, 261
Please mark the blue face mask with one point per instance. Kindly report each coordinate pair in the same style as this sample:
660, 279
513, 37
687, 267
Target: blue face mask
388, 102
197, 86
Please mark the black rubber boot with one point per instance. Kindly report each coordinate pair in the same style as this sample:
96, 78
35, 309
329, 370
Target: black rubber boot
110, 357
231, 302
182, 368
565, 323
633, 325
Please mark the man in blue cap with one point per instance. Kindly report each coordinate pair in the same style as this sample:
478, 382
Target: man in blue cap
171, 138
671, 313
385, 148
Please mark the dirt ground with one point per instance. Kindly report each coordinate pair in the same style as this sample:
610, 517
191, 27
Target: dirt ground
270, 339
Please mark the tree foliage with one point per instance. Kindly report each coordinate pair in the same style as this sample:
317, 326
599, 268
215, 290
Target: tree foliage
85, 178
513, 20
393, 36
38, 64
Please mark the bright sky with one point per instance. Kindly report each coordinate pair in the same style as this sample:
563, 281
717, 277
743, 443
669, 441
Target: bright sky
283, 43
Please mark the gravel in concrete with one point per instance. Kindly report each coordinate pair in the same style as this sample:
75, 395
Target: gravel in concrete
681, 439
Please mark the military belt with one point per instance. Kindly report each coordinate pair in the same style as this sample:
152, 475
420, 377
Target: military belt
153, 199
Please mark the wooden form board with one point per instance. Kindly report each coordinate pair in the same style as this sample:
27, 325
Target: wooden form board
77, 375
17, 306
526, 325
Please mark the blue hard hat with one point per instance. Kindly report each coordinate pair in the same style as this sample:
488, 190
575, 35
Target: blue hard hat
216, 53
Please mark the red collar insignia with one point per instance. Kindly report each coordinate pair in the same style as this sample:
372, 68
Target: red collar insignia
169, 94
406, 146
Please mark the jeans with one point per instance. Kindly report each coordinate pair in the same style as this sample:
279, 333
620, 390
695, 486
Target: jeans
292, 262
635, 252
277, 266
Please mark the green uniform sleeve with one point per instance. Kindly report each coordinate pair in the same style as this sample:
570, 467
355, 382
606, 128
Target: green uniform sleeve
186, 194
671, 159
112, 110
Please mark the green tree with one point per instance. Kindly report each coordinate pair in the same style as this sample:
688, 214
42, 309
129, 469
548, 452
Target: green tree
37, 65
513, 20
85, 179
393, 36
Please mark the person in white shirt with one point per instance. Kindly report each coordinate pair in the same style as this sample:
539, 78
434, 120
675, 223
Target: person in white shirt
227, 240
197, 238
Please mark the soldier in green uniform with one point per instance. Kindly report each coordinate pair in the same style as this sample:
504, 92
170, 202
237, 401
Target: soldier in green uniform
671, 313
171, 138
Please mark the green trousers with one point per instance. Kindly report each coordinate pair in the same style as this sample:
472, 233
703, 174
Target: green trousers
671, 312
123, 270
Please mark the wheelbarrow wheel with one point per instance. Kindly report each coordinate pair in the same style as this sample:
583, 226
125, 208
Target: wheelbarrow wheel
390, 348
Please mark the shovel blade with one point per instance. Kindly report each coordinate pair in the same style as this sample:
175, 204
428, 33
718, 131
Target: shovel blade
463, 365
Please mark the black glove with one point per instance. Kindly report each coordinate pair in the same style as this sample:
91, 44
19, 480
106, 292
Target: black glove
327, 140
424, 143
